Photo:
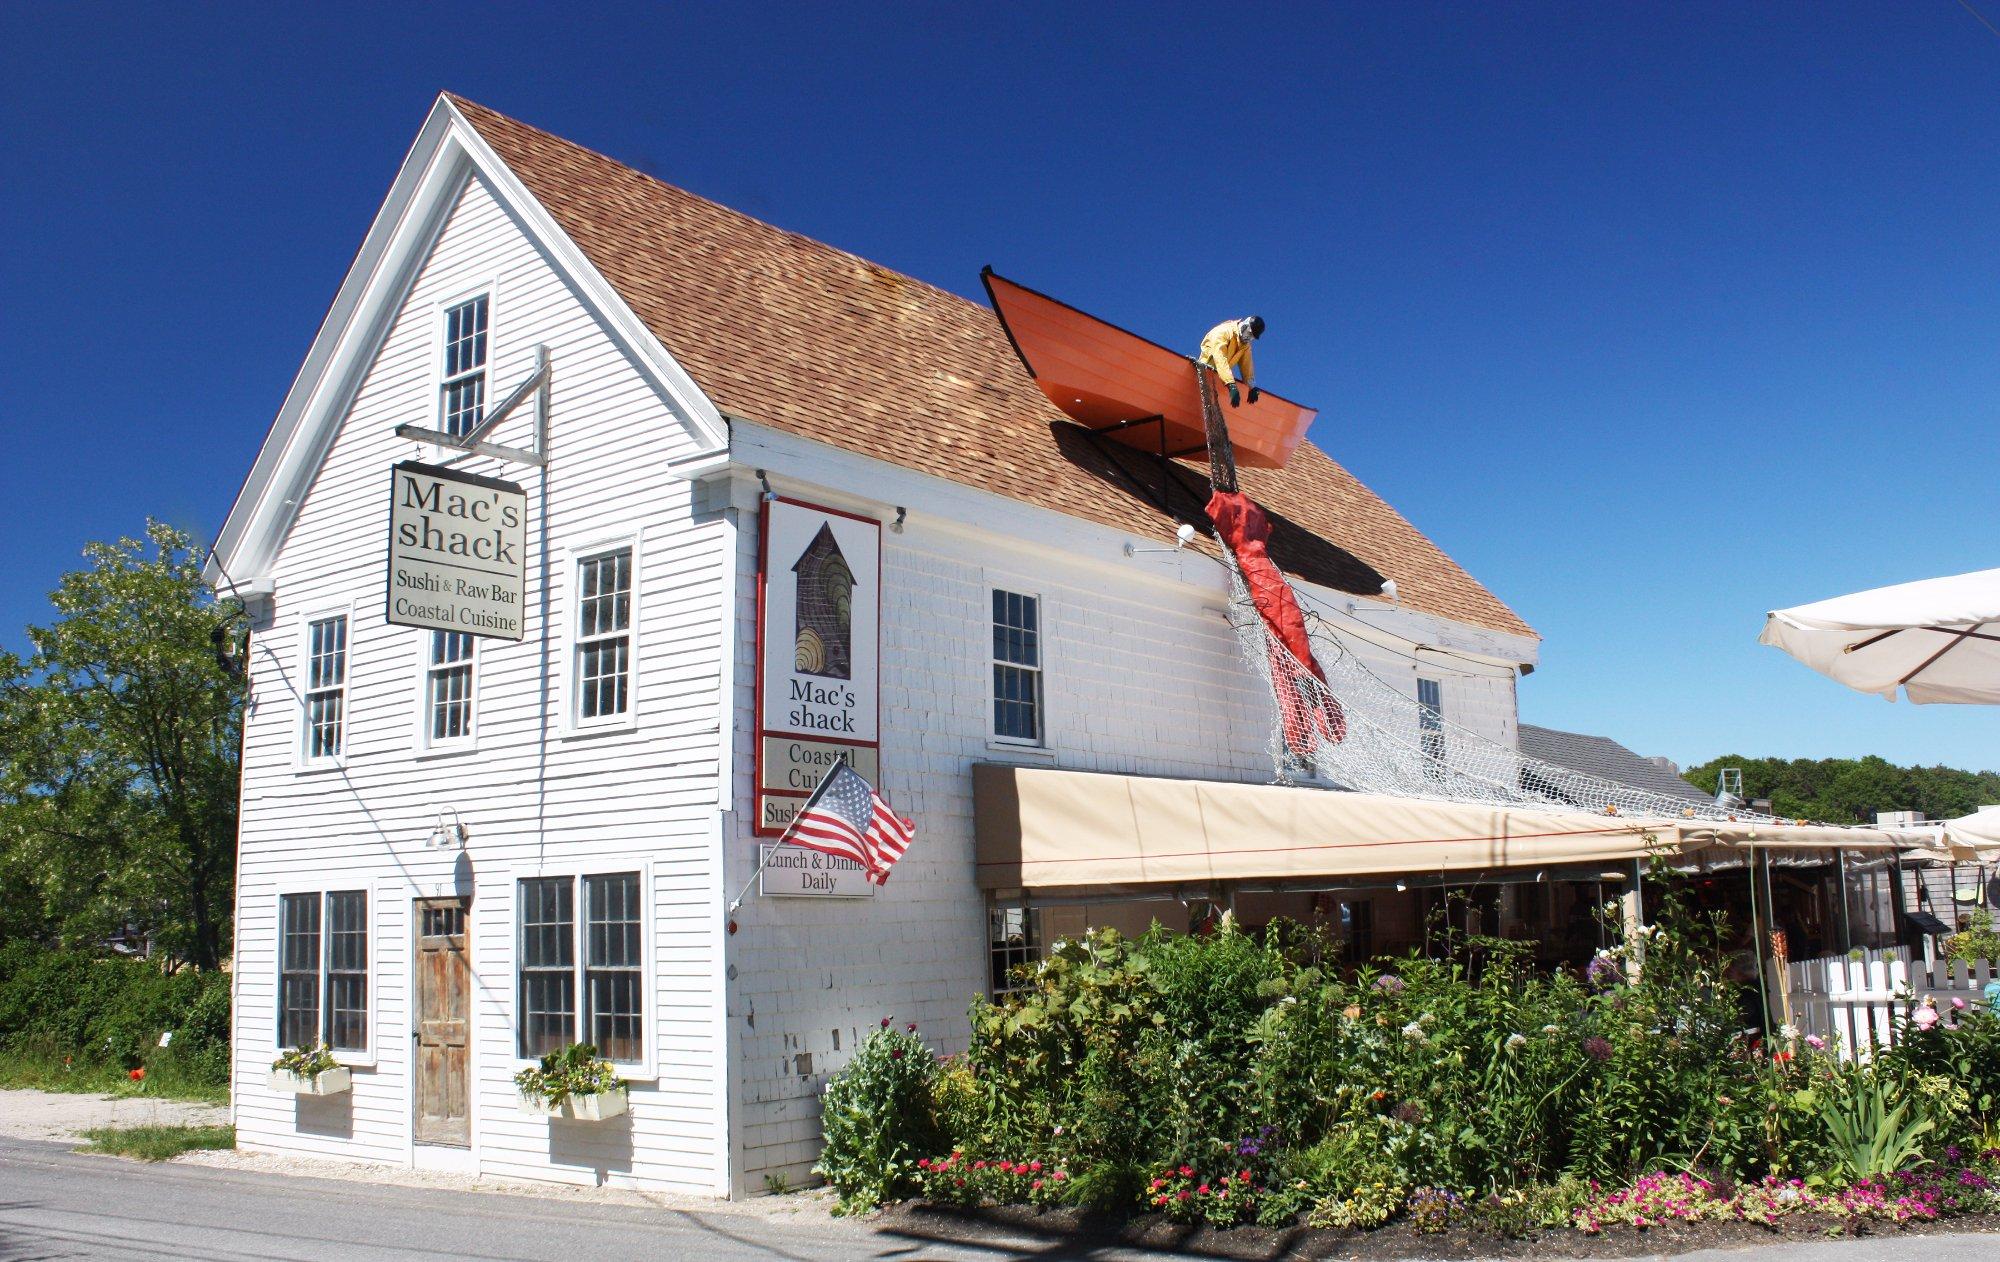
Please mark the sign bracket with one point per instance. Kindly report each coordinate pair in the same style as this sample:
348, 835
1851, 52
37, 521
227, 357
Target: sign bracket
474, 441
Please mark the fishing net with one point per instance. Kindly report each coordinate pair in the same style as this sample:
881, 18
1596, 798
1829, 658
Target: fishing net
1346, 725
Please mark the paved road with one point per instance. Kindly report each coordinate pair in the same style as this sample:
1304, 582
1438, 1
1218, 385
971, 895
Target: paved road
56, 1204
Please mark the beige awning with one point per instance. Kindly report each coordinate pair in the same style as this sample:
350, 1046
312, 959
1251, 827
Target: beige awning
1040, 828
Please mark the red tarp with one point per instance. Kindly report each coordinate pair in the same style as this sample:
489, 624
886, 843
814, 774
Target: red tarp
1308, 715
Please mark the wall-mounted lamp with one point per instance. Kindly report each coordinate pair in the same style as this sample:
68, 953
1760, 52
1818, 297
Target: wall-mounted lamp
765, 482
445, 836
1182, 538
902, 515
1389, 589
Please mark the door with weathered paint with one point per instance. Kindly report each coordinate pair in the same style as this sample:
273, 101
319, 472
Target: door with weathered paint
443, 1039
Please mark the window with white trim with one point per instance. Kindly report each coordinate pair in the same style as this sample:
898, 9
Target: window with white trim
323, 970
326, 688
464, 384
448, 688
1013, 940
582, 980
1017, 667
603, 670
1430, 719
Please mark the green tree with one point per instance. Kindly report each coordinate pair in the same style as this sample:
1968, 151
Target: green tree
121, 738
1852, 790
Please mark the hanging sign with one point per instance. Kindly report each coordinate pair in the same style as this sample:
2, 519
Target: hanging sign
819, 604
458, 552
795, 872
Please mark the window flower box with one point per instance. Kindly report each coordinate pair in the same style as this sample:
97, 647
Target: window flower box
333, 1081
599, 1107
572, 1083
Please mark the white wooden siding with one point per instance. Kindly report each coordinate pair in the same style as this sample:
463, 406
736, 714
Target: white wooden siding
528, 795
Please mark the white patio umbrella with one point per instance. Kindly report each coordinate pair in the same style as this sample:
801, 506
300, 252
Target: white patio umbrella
1937, 639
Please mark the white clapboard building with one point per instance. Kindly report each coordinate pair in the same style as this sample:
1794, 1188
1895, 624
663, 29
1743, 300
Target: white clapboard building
522, 714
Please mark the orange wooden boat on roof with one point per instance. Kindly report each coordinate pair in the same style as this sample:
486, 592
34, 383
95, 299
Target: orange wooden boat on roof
1130, 389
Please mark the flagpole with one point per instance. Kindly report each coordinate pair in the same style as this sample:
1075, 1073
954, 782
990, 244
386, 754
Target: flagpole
783, 838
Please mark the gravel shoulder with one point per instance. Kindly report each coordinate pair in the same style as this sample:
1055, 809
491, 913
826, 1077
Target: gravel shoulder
62, 1115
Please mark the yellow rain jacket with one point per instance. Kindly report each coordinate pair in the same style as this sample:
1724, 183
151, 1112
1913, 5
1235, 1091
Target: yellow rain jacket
1223, 349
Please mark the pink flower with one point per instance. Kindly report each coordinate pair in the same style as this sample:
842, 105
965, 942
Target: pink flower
1203, 1189
1957, 1004
978, 1165
923, 1163
1187, 1172
1182, 1194
1036, 1166
1815, 1042
1036, 1185
1061, 1175
1925, 1018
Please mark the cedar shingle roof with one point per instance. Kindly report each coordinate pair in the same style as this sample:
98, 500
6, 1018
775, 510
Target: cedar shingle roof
766, 321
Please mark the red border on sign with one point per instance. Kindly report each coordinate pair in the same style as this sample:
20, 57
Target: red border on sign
758, 730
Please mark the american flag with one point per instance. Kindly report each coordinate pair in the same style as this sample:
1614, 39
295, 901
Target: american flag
848, 818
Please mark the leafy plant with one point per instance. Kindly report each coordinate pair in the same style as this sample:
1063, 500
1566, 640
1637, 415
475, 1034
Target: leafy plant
877, 1120
1977, 941
308, 1062
1873, 1131
569, 1071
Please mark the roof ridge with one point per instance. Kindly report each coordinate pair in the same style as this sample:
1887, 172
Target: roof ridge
463, 102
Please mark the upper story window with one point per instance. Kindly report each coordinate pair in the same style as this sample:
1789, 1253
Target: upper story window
326, 688
448, 688
1430, 718
1017, 667
464, 385
582, 982
323, 970
603, 636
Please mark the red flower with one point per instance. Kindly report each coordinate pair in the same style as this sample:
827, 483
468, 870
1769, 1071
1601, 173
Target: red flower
978, 1165
895, 1053
911, 1028
923, 1163
1187, 1172
1243, 1177
885, 1023
1061, 1175
1159, 1200
1157, 1183
1203, 1189
1037, 1184
1181, 1195
138, 1075
1036, 1166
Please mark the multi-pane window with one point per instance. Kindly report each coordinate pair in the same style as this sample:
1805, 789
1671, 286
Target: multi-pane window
1017, 667
1013, 940
464, 366
448, 687
323, 970
604, 635
548, 964
1430, 718
326, 686
583, 982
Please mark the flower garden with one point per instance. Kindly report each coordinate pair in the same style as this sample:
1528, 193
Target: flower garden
1237, 1084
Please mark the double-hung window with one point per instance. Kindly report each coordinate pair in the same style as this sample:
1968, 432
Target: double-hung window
1017, 668
603, 671
464, 386
1430, 720
323, 970
582, 978
447, 688
326, 688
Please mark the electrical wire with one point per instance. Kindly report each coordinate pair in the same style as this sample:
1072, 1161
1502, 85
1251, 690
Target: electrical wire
1967, 6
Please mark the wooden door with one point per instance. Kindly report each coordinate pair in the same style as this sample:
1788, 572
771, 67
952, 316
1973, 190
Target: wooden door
443, 1036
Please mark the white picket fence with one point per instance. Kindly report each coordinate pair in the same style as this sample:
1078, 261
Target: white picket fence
1858, 1003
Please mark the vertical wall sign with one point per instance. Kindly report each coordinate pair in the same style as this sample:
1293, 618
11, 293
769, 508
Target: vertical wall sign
458, 552
819, 609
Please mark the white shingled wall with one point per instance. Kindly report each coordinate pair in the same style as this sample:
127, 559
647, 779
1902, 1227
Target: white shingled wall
1143, 676
644, 798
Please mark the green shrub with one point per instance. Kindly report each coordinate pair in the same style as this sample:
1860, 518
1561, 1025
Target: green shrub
1966, 1050
877, 1120
88, 1011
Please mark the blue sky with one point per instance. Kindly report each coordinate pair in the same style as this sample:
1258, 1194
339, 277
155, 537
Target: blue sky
1655, 317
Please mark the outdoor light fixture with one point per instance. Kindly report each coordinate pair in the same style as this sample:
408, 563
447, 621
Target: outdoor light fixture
444, 836
769, 494
1389, 588
1182, 538
901, 514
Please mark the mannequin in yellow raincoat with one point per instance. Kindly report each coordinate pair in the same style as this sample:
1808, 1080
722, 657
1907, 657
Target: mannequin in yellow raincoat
1227, 347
